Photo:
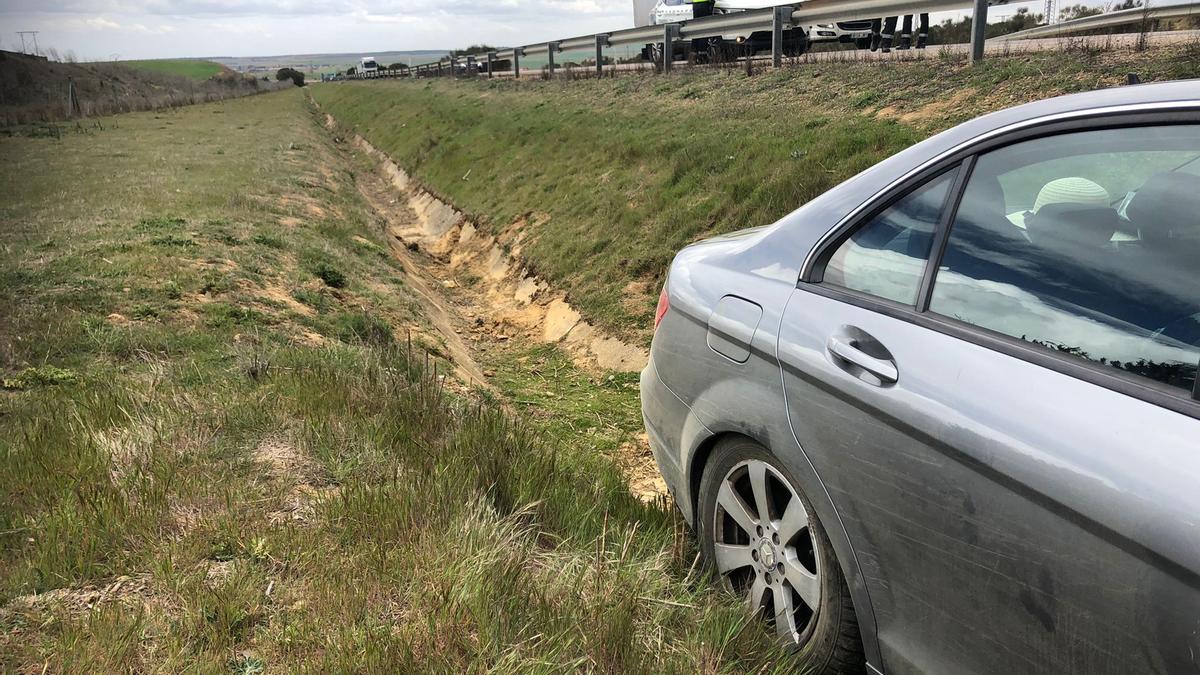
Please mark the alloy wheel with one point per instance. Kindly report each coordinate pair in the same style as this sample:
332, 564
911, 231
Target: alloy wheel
764, 548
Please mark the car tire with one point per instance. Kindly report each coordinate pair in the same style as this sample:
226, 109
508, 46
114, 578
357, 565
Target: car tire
798, 44
863, 43
653, 53
782, 563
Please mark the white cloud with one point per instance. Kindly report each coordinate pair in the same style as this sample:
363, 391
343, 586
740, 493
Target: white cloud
100, 23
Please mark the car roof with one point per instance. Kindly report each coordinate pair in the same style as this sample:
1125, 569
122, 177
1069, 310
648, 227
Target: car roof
1162, 92
801, 229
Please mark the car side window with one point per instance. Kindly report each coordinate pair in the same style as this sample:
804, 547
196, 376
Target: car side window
1087, 244
886, 256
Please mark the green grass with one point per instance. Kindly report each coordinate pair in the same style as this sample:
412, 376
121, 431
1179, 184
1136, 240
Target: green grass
194, 68
217, 456
615, 175
597, 411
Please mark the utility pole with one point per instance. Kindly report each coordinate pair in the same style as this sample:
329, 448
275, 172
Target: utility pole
1051, 17
32, 33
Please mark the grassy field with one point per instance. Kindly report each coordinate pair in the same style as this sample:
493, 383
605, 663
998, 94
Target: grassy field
218, 452
615, 175
193, 68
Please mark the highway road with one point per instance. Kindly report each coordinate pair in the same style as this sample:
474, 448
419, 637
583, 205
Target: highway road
993, 47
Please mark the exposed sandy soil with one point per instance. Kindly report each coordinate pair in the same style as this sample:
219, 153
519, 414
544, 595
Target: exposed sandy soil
445, 318
520, 302
935, 110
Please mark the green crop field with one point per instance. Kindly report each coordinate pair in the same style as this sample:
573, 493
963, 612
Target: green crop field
220, 453
193, 68
615, 175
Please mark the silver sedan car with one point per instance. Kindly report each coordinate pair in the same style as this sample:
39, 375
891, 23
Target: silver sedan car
945, 418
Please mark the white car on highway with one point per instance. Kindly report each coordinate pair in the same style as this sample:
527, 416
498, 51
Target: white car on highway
676, 11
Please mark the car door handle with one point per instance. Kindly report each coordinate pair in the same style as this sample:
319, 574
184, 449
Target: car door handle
845, 350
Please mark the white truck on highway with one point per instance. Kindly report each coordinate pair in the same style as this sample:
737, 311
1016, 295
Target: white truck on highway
796, 40
367, 64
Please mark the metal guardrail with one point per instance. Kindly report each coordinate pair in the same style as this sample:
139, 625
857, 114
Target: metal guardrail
771, 19
1107, 20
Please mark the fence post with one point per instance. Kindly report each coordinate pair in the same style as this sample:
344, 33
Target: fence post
491, 63
73, 107
783, 15
518, 52
601, 43
978, 30
551, 47
471, 67
670, 32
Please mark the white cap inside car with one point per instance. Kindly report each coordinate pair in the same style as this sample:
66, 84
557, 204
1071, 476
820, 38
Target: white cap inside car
1071, 190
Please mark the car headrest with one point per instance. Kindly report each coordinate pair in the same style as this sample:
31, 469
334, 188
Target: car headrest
982, 208
1071, 225
985, 195
1167, 203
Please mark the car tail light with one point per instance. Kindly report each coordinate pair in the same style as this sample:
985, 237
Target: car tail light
663, 305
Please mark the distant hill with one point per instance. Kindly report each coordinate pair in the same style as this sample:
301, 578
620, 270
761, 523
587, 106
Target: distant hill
313, 64
34, 89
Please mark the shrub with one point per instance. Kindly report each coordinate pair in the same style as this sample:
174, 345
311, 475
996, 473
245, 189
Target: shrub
268, 240
44, 375
364, 328
332, 276
292, 74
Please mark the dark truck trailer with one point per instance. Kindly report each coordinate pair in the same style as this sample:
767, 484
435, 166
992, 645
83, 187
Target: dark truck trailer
717, 49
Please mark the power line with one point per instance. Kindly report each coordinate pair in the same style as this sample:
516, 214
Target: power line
34, 33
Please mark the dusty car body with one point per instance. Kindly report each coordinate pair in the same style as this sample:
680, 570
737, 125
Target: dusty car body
995, 503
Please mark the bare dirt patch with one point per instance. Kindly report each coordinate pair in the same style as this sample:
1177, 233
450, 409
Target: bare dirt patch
301, 204
940, 109
281, 458
286, 463
128, 590
281, 296
637, 461
310, 339
637, 295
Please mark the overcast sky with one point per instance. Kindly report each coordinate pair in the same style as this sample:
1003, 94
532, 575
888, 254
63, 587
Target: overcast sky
96, 29
139, 29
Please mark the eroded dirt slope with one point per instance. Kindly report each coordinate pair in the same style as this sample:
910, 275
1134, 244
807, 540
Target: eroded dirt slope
490, 312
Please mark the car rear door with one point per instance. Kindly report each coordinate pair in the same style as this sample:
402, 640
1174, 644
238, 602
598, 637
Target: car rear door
1019, 498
